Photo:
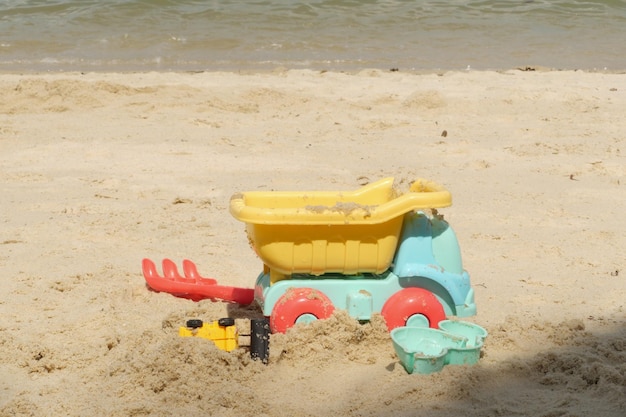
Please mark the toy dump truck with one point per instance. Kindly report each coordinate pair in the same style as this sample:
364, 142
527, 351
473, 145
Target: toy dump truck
372, 250
366, 251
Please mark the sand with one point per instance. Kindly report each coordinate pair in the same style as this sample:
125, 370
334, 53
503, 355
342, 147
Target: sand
99, 170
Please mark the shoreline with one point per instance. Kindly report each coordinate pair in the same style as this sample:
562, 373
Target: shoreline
281, 69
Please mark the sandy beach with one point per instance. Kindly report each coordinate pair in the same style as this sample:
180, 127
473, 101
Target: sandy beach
99, 170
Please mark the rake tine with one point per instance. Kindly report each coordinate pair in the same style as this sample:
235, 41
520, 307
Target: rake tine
191, 272
149, 269
170, 271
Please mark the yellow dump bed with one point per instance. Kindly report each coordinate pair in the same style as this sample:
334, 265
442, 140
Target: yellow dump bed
319, 232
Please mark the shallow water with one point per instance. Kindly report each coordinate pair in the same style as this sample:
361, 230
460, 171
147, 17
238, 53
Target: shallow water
319, 34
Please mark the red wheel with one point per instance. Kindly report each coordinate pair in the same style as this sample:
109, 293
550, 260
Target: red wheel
413, 303
299, 305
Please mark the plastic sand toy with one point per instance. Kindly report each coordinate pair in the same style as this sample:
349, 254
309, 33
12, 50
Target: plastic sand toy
192, 285
222, 332
371, 250
425, 350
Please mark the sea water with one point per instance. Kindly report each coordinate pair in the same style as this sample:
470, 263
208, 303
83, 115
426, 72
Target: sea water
198, 35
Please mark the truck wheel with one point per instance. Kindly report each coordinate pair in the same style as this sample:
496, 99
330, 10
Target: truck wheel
194, 323
299, 305
226, 322
415, 305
